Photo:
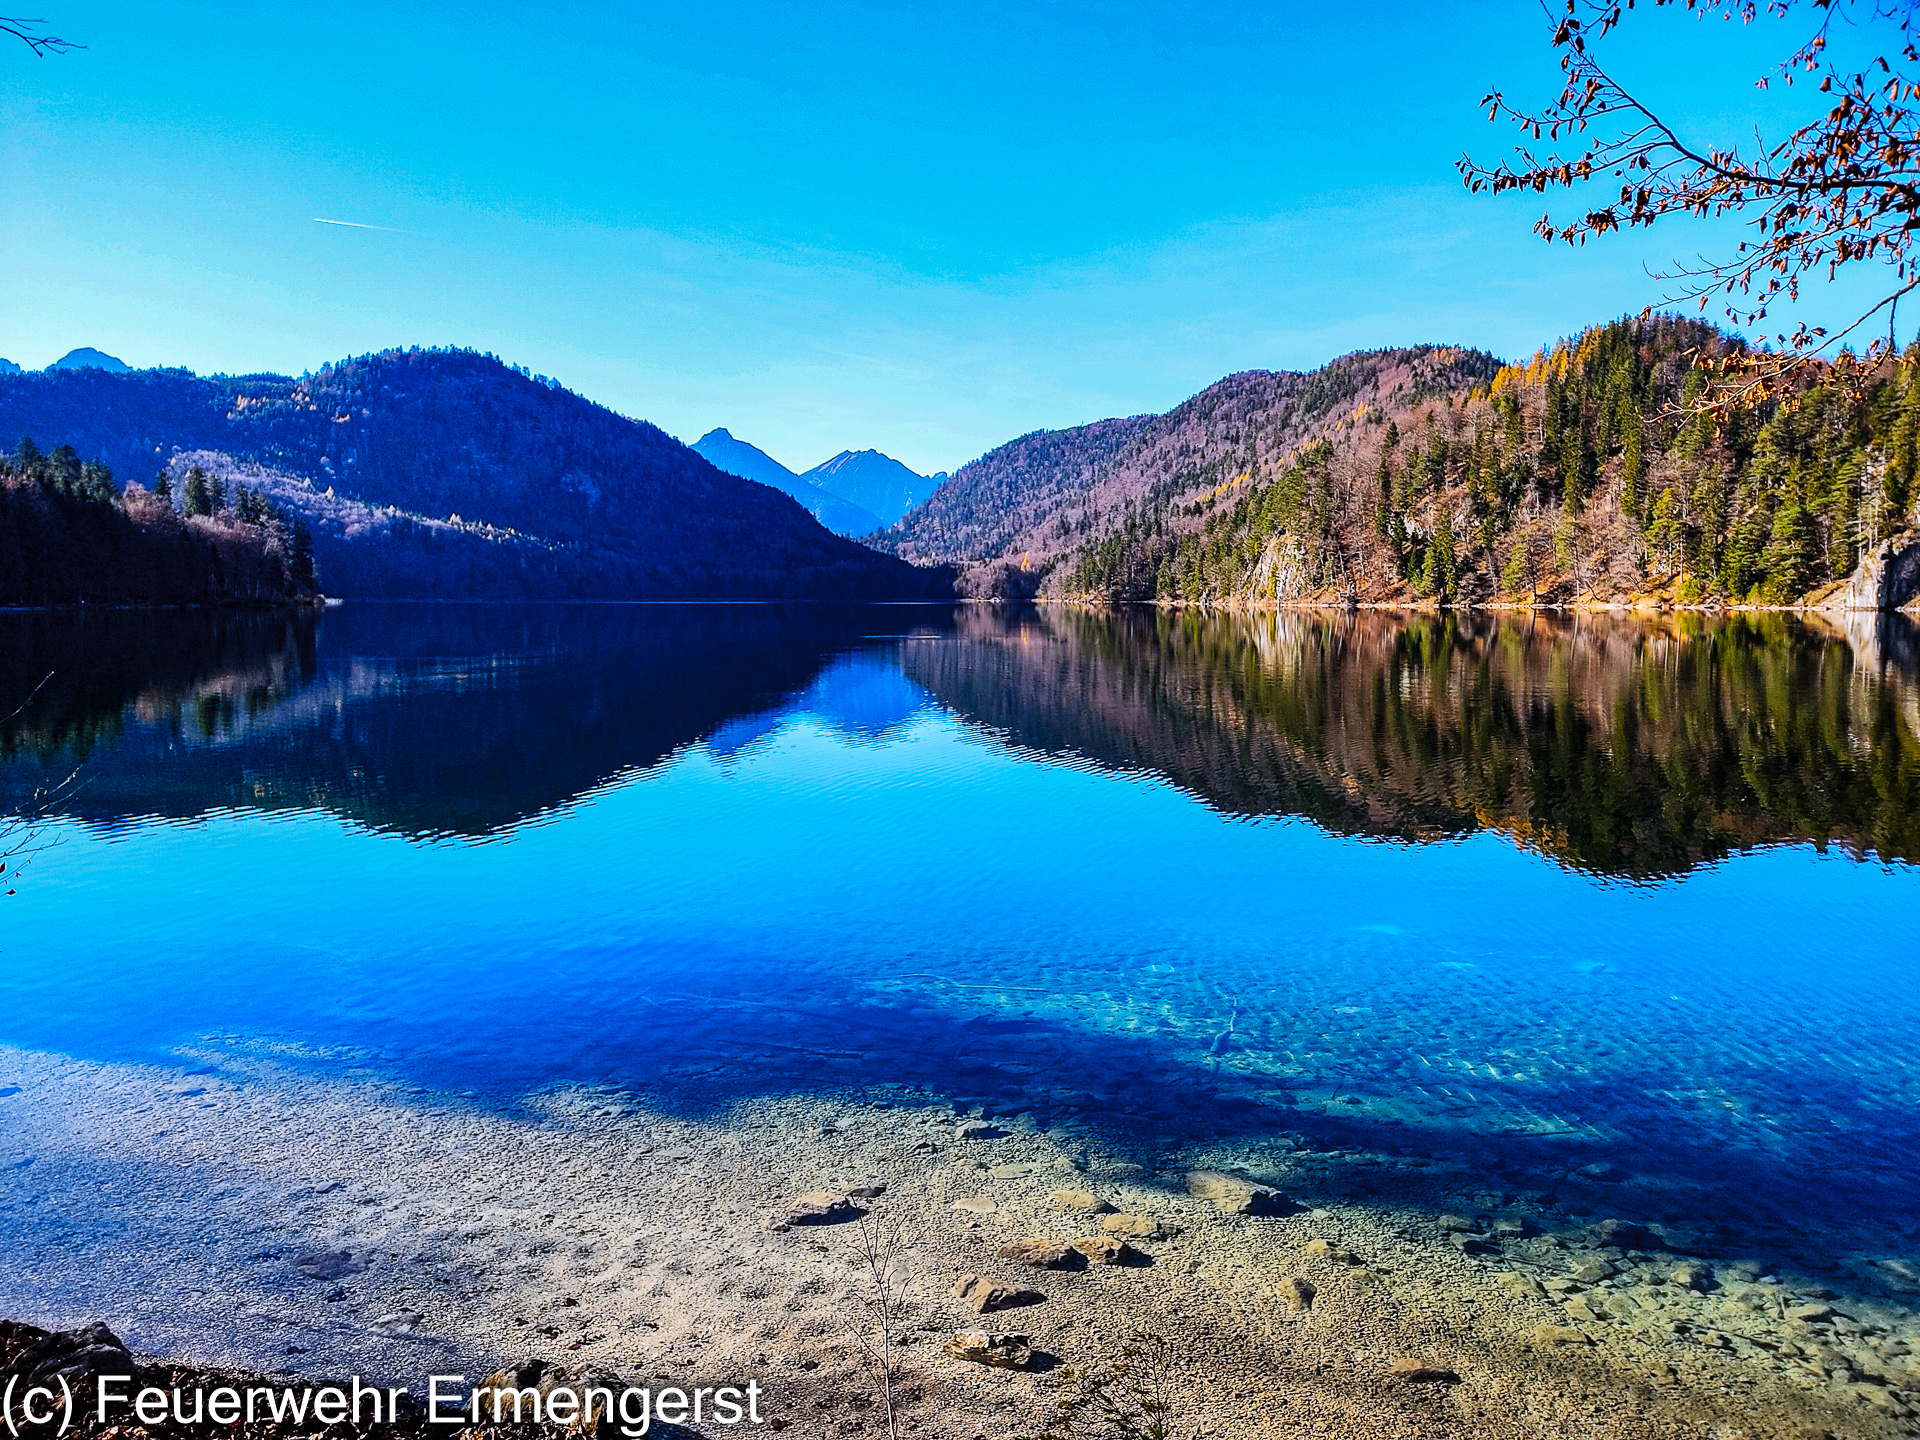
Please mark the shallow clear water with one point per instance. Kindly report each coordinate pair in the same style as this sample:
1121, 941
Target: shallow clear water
1535, 896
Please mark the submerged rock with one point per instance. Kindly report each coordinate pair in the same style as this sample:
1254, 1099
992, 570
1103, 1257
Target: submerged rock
1327, 1250
399, 1324
1135, 1227
821, 1207
986, 1295
1010, 1351
1691, 1277
1084, 1202
1548, 1336
1624, 1235
329, 1264
1236, 1195
1043, 1254
1108, 1250
1419, 1372
1296, 1294
1520, 1287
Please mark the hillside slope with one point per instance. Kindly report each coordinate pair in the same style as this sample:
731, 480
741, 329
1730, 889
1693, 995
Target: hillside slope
1022, 517
725, 451
539, 492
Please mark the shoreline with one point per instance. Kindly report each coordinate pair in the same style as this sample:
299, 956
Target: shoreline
262, 1217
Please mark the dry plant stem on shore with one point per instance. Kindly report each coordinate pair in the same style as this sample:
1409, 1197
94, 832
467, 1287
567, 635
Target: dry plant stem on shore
1130, 1398
882, 1241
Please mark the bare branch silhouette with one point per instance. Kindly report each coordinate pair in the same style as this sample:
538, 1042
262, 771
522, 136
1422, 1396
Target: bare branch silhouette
30, 31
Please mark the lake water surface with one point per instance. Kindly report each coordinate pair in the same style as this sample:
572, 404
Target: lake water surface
1620, 913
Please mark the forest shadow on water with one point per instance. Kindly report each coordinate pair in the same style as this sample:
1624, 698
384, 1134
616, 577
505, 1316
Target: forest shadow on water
1532, 1058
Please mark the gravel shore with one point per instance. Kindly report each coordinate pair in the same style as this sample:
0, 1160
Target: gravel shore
273, 1215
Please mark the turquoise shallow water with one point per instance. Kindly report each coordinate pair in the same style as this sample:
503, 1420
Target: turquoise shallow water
1542, 898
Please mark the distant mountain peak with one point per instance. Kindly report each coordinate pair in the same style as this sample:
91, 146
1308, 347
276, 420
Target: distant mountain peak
723, 450
88, 358
872, 480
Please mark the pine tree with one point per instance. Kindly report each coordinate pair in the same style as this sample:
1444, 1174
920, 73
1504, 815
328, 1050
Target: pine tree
195, 494
300, 557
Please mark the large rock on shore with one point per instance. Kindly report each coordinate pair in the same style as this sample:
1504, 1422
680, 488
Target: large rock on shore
69, 1355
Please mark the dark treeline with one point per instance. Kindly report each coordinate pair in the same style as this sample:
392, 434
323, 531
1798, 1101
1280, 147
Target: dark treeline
69, 535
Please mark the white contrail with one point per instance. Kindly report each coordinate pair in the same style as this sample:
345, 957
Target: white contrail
359, 225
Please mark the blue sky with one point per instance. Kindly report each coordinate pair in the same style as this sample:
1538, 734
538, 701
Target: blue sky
923, 228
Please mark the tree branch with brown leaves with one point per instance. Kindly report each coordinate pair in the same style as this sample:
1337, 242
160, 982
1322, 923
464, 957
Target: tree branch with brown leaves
1839, 190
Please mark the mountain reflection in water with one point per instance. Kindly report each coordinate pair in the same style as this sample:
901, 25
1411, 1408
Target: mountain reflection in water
1633, 748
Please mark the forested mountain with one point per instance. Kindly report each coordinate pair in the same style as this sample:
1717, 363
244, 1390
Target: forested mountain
724, 451
1440, 475
875, 482
438, 474
69, 535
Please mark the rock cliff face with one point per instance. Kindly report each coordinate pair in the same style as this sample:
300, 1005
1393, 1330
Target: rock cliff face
1887, 577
